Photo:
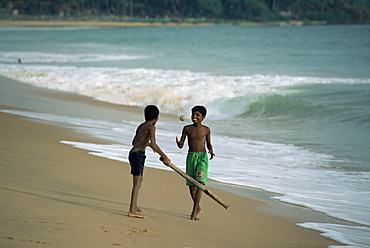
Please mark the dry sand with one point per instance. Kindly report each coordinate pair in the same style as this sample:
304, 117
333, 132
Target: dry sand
54, 195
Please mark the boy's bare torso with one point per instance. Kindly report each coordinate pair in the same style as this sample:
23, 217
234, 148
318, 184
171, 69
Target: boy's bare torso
197, 135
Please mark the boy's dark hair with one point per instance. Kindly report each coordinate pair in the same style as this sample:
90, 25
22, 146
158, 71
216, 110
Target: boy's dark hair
151, 112
200, 109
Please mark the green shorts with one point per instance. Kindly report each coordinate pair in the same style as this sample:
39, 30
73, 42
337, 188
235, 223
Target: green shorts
197, 167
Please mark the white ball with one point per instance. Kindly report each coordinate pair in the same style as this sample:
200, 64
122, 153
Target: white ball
182, 118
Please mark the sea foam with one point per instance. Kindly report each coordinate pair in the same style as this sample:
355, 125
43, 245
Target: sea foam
174, 91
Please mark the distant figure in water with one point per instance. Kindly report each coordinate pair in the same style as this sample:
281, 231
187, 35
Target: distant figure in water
19, 61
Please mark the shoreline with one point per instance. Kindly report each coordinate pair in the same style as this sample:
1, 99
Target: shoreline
110, 24
123, 24
108, 182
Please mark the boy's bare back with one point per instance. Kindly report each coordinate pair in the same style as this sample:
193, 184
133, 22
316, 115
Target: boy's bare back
143, 135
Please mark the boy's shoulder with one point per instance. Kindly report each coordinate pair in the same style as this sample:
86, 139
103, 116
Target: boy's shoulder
145, 126
190, 126
147, 123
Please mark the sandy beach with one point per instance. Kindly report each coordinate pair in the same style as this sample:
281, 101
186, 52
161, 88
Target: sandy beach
54, 195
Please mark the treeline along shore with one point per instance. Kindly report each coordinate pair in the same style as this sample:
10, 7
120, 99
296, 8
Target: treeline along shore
191, 12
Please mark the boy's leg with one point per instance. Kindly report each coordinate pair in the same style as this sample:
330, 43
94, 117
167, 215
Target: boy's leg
136, 185
192, 190
196, 195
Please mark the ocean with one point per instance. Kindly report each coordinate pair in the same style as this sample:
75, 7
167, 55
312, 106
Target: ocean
288, 106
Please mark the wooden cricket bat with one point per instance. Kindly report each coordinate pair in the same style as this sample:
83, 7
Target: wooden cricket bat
200, 186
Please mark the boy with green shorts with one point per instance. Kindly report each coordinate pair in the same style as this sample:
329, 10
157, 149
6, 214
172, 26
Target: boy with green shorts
199, 136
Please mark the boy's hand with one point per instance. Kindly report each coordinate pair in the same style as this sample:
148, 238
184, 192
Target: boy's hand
180, 144
165, 160
212, 154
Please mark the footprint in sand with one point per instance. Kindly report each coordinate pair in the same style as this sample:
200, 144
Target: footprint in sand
145, 232
29, 240
118, 244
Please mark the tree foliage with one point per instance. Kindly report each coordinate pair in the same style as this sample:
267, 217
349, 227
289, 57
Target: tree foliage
335, 11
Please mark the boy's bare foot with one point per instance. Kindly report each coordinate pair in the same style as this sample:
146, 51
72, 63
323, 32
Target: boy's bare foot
139, 210
135, 215
193, 217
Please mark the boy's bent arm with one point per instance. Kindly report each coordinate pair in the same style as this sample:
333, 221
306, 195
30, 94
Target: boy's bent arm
180, 143
209, 145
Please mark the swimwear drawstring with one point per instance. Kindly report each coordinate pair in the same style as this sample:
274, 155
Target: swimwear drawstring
194, 158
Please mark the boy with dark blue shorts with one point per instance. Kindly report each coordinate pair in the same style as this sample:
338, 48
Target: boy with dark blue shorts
199, 136
145, 136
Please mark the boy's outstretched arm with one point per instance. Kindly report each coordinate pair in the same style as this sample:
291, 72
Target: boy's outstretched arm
156, 148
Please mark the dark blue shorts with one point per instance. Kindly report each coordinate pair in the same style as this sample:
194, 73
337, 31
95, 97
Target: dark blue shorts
137, 160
